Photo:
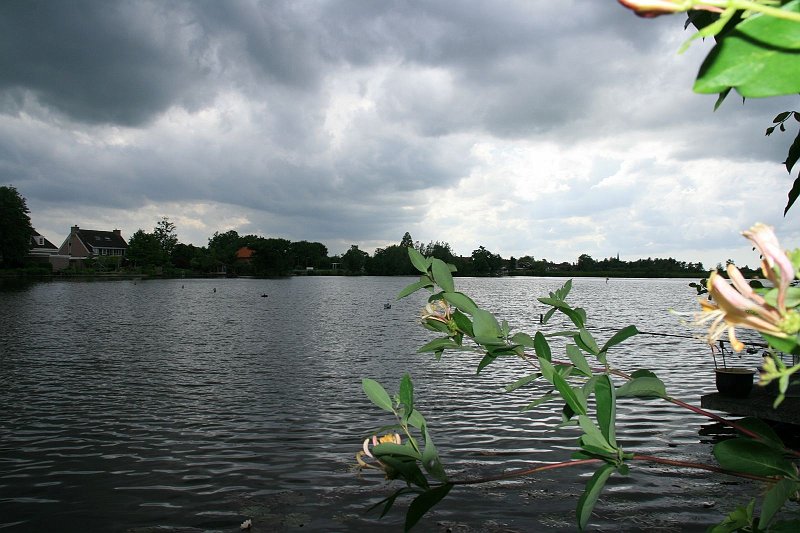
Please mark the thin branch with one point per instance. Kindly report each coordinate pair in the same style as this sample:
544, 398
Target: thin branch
526, 472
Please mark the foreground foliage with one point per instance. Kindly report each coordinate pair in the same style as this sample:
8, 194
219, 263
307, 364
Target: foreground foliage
583, 375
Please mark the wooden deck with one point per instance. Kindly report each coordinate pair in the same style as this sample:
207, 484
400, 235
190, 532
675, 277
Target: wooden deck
758, 404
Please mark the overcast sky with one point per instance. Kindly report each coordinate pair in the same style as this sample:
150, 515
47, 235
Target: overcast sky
530, 127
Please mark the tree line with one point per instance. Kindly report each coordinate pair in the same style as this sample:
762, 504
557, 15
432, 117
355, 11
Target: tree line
159, 251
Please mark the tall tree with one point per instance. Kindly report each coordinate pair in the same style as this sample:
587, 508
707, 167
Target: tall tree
223, 246
15, 227
485, 262
354, 259
166, 235
144, 249
407, 241
308, 254
273, 255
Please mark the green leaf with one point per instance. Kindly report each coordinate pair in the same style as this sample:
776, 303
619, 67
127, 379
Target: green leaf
438, 344
523, 339
441, 275
781, 344
588, 342
606, 408
486, 361
643, 373
760, 58
737, 520
780, 117
522, 382
390, 448
461, 301
752, 457
423, 503
430, 459
565, 308
539, 401
620, 336
389, 501
577, 358
542, 347
793, 194
644, 387
485, 325
763, 430
418, 260
591, 493
405, 468
563, 291
415, 419
573, 397
588, 387
414, 287
592, 437
406, 393
773, 31
774, 500
547, 368
377, 394
463, 323
794, 154
436, 325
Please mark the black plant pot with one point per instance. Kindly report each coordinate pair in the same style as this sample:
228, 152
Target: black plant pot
734, 382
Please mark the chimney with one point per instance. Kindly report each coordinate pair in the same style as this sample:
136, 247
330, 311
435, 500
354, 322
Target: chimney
118, 233
74, 230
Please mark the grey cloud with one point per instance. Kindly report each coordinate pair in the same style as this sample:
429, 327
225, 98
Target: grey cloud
100, 61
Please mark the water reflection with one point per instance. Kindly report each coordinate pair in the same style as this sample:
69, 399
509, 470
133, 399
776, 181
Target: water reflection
198, 403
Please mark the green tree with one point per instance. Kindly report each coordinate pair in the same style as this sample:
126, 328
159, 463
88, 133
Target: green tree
407, 241
223, 246
187, 256
166, 235
390, 261
15, 227
308, 254
272, 256
354, 259
485, 262
144, 249
586, 263
439, 250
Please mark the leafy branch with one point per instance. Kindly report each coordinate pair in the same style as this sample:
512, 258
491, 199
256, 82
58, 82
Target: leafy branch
758, 454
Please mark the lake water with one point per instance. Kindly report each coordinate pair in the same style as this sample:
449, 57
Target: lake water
192, 405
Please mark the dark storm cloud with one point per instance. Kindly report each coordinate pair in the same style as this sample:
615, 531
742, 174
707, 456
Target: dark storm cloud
100, 61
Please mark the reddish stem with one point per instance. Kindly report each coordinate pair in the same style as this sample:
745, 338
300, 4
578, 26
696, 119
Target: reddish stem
527, 471
637, 457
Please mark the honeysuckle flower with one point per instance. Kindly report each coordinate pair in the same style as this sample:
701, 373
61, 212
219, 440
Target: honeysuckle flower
653, 8
737, 304
438, 310
393, 438
775, 264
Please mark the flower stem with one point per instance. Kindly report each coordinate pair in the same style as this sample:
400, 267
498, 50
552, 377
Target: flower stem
526, 472
749, 5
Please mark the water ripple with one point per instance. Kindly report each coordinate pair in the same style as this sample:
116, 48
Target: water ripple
163, 404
